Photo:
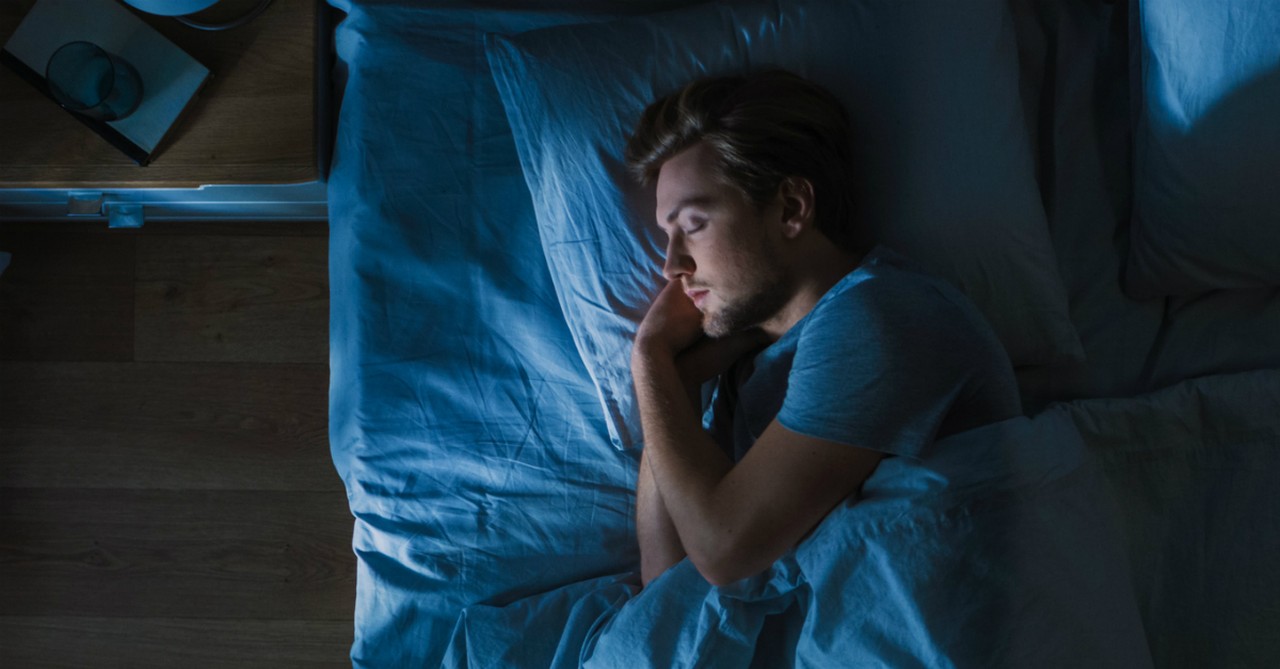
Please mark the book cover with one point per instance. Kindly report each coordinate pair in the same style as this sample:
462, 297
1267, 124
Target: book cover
171, 78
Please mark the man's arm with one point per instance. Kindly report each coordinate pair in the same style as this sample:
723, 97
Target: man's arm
733, 521
660, 546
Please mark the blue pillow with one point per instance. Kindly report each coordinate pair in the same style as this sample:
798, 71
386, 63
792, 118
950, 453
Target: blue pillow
1206, 212
931, 88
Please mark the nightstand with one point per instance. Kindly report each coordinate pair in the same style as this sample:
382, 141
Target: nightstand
254, 145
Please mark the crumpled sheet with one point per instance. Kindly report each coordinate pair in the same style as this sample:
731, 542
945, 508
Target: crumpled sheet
1000, 550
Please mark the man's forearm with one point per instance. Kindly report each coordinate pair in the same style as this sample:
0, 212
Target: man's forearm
660, 546
685, 463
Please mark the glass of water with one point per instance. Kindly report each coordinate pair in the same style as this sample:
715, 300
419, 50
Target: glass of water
86, 79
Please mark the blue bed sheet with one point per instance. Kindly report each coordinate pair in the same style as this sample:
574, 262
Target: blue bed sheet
461, 419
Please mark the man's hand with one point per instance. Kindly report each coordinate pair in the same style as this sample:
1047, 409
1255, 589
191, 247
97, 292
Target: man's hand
672, 329
671, 325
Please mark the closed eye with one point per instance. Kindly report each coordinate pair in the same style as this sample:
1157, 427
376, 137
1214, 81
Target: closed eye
695, 226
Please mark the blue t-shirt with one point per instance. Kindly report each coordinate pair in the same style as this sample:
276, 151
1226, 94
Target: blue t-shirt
889, 359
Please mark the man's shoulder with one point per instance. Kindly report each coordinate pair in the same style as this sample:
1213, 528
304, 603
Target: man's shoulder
894, 304
888, 289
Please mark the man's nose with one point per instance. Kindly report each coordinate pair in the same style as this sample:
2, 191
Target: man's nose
679, 263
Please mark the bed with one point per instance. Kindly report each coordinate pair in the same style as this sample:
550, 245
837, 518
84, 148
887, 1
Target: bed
1098, 176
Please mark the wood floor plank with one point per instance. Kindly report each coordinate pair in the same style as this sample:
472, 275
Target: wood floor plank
242, 228
34, 642
218, 298
183, 554
175, 459
242, 402
66, 295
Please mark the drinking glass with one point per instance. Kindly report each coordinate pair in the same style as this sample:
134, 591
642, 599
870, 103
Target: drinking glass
86, 79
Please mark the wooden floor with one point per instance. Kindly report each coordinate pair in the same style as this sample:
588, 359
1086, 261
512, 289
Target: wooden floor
166, 493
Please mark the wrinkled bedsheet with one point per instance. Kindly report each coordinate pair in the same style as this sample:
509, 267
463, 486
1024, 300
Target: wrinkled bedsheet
1001, 550
462, 421
1193, 470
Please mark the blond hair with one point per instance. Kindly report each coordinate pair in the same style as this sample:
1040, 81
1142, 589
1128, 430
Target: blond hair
762, 129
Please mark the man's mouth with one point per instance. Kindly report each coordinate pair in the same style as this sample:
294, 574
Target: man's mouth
697, 296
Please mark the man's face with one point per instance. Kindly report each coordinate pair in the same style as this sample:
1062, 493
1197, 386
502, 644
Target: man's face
720, 245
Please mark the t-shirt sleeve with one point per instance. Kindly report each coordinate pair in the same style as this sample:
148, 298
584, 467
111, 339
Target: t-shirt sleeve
874, 369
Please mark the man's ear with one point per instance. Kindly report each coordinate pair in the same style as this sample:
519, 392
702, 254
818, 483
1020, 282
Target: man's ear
797, 205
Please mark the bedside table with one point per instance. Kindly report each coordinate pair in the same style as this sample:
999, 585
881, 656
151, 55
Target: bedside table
254, 144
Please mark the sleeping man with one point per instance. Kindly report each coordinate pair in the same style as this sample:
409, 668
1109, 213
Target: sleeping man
831, 355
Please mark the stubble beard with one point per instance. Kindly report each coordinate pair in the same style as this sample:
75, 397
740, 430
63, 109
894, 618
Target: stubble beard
771, 294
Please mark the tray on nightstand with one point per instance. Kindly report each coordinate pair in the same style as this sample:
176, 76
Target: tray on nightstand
171, 78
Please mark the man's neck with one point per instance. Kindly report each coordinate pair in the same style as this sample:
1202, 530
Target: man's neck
824, 267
